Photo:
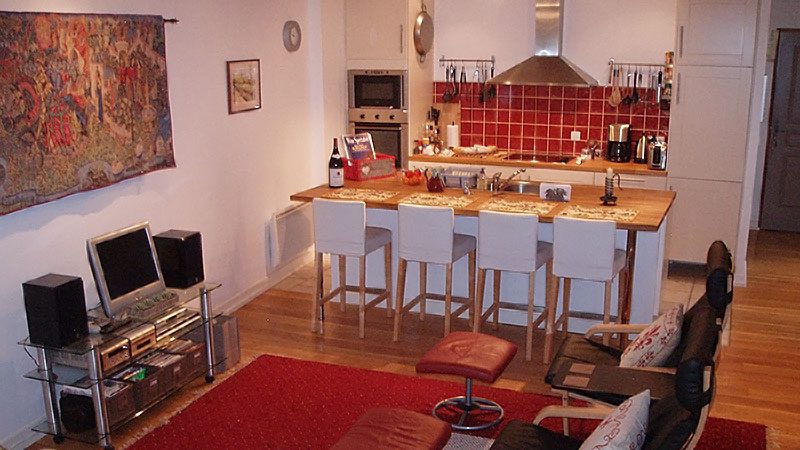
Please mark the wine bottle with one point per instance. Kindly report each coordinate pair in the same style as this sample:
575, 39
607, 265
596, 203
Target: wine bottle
335, 167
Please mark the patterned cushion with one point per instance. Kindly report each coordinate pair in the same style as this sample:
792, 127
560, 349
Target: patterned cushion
654, 345
624, 428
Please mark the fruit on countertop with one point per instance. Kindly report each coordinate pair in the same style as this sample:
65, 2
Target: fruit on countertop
412, 177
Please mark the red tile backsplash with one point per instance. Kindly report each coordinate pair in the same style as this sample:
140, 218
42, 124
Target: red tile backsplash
540, 118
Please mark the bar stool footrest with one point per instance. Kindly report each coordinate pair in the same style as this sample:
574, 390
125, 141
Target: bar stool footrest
468, 414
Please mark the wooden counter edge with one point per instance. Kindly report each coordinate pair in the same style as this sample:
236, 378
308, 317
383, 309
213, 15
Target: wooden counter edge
595, 166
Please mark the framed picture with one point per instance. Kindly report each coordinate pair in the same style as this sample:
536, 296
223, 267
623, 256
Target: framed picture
244, 85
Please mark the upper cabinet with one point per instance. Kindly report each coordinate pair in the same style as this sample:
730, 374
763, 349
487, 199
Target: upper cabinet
377, 30
716, 32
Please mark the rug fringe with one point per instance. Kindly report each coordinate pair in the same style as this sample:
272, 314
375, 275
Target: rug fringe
773, 438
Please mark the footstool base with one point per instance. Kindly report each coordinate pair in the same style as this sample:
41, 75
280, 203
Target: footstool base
469, 407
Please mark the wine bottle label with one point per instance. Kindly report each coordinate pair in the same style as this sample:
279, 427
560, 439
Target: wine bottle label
336, 177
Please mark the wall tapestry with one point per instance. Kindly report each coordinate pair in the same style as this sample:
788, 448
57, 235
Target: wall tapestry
83, 103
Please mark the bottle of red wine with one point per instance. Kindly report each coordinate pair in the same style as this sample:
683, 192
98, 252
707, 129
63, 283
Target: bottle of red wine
335, 167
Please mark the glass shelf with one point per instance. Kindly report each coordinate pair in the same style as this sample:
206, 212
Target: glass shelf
64, 376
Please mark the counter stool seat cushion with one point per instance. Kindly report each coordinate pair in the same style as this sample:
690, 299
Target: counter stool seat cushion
375, 238
470, 355
391, 428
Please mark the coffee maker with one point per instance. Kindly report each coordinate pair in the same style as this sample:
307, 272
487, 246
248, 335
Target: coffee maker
619, 145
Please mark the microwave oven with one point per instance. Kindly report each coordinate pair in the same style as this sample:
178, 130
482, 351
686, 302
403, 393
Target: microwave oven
385, 89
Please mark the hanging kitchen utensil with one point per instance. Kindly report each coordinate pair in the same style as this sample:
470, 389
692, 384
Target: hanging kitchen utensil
453, 76
616, 97
659, 86
635, 93
627, 99
447, 96
492, 87
423, 33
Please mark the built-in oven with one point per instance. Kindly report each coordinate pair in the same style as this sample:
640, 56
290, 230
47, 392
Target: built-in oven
378, 105
384, 89
388, 137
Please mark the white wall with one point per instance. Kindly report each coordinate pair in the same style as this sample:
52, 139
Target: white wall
232, 171
594, 31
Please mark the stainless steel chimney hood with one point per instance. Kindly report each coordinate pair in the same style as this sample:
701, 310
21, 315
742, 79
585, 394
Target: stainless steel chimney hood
547, 67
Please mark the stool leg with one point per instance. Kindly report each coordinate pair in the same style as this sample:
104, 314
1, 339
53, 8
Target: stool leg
448, 296
316, 322
423, 288
529, 337
551, 303
496, 300
401, 288
387, 271
342, 282
471, 290
567, 292
607, 310
362, 294
476, 324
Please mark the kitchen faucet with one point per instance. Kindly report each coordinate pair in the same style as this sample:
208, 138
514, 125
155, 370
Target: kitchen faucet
498, 185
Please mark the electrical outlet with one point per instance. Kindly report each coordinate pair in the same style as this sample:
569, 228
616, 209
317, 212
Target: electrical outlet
575, 136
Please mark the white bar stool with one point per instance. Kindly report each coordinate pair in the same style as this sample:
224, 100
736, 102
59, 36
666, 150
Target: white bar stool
340, 228
426, 236
584, 249
522, 254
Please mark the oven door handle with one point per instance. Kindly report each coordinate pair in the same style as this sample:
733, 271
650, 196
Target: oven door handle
379, 128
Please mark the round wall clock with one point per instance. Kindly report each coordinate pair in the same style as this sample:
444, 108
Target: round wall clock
292, 35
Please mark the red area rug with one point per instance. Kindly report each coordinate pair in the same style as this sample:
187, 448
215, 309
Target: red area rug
286, 403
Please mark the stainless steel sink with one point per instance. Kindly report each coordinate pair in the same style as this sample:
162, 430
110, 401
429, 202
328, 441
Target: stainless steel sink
522, 187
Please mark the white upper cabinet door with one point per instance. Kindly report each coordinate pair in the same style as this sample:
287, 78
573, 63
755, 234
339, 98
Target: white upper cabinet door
377, 29
716, 32
708, 122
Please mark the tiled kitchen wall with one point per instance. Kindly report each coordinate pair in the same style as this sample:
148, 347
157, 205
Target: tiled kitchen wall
540, 118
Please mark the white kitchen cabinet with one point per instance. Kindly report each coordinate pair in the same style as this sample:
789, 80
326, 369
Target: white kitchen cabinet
704, 211
708, 122
716, 32
377, 30
634, 181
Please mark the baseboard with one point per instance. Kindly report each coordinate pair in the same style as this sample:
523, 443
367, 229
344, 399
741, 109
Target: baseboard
23, 438
244, 297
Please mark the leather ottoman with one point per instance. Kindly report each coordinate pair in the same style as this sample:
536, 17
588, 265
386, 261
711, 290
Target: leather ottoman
390, 428
472, 356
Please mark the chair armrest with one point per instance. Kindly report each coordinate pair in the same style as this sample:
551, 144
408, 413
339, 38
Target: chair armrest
572, 412
611, 328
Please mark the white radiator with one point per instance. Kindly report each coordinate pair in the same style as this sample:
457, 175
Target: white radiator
289, 234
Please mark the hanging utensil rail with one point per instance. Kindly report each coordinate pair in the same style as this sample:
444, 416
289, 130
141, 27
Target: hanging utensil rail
445, 61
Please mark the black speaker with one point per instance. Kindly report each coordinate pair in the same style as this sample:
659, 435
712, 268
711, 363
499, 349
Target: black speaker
56, 310
180, 255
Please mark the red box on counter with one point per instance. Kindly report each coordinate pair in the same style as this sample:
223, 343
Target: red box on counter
369, 168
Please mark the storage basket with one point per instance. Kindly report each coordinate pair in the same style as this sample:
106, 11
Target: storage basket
460, 178
369, 168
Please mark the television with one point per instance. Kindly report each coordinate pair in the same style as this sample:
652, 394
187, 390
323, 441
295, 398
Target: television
125, 268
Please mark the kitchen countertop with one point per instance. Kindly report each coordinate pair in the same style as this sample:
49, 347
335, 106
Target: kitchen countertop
592, 165
651, 205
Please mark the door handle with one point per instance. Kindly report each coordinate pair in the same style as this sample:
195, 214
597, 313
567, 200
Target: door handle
402, 47
680, 42
677, 89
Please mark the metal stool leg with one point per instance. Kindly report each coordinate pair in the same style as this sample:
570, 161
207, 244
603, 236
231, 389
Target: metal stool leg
470, 407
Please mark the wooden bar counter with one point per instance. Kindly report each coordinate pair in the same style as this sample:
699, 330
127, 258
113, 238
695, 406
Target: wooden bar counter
643, 233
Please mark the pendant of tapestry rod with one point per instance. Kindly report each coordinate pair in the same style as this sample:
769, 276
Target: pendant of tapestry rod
172, 20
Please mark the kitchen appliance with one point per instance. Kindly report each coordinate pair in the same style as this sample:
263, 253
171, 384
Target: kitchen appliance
657, 154
378, 101
548, 67
642, 147
619, 145
383, 89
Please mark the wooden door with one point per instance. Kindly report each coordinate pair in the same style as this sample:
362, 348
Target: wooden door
716, 32
708, 122
780, 207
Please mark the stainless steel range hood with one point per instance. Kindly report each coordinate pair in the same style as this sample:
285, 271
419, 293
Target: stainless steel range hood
547, 67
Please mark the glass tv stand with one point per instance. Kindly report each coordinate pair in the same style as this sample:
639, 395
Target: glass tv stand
87, 366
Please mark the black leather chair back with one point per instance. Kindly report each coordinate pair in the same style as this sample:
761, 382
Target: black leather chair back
699, 333
719, 276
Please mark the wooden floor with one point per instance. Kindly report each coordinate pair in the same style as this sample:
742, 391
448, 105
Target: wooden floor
756, 381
